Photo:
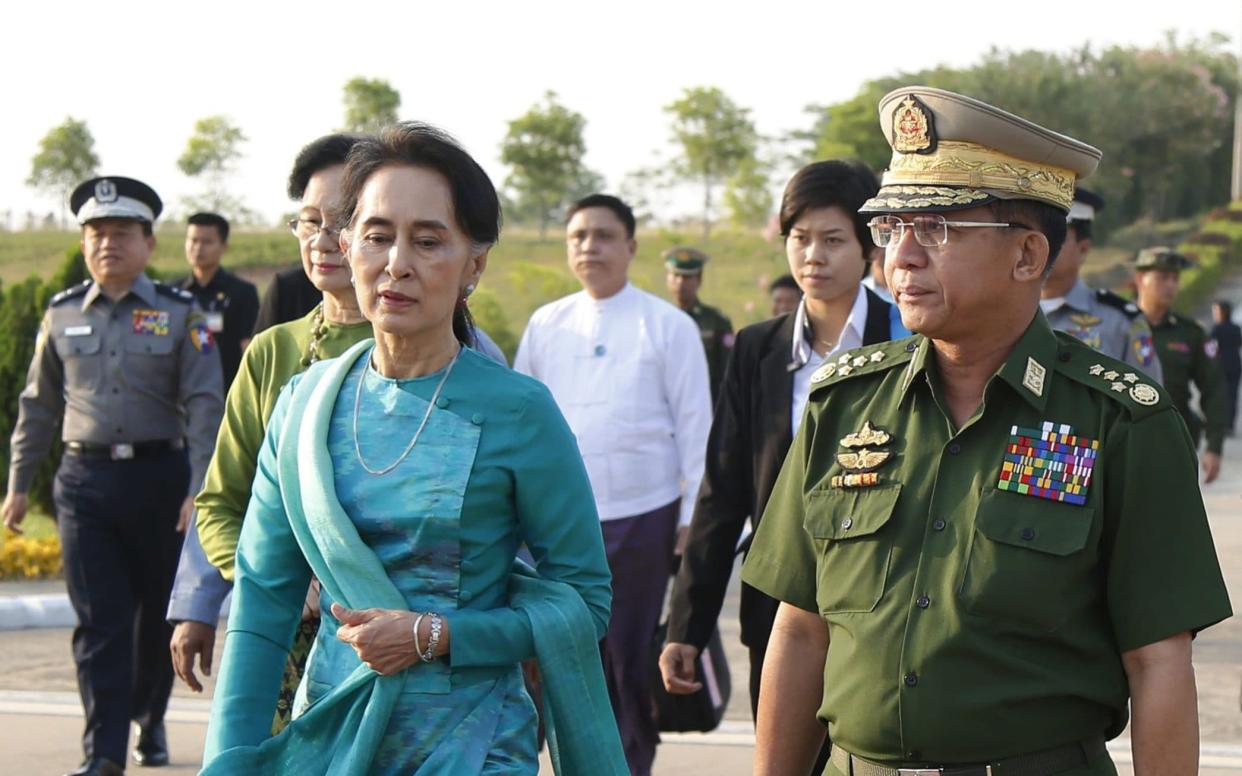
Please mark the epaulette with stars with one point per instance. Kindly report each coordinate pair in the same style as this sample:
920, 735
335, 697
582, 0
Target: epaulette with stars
1117, 301
180, 294
863, 361
70, 293
1129, 387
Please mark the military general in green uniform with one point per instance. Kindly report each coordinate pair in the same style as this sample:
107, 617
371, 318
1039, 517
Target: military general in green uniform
685, 277
988, 538
1187, 354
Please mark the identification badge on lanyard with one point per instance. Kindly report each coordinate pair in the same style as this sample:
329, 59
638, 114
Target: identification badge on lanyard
215, 321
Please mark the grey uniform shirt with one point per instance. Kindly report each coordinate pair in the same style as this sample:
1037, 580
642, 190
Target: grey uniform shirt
1117, 330
138, 370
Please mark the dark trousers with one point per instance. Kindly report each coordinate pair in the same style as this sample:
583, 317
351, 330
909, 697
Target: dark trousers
756, 671
640, 554
1231, 399
118, 533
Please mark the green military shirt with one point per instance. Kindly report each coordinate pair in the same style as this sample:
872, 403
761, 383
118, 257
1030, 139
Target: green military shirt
1188, 355
976, 612
717, 333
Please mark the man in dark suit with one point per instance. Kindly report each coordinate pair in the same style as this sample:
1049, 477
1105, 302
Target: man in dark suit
288, 297
762, 397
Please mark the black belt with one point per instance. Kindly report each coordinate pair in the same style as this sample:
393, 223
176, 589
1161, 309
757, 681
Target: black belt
123, 451
1045, 763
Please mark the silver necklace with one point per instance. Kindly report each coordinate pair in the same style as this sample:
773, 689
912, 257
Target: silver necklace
426, 415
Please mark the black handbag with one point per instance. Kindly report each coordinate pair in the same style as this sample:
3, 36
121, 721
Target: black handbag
700, 711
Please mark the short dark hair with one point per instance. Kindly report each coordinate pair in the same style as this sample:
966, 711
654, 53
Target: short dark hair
1225, 307
1082, 228
834, 183
211, 219
1040, 216
623, 211
476, 206
784, 281
327, 151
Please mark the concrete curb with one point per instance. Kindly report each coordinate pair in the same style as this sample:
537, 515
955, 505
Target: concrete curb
36, 611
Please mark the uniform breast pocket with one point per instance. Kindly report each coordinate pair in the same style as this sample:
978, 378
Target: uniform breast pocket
1027, 555
854, 542
150, 362
82, 360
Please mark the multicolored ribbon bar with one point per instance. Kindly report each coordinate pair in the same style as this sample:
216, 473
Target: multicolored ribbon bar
1051, 462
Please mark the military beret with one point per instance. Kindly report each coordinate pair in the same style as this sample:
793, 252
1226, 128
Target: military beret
1086, 204
1162, 258
685, 261
952, 152
115, 197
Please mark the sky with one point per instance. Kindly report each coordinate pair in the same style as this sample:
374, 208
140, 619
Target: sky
141, 73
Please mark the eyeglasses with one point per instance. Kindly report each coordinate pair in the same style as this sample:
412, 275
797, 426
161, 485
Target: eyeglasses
929, 231
306, 229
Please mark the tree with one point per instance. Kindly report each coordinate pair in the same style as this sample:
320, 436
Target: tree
543, 149
211, 152
746, 195
716, 137
66, 157
370, 103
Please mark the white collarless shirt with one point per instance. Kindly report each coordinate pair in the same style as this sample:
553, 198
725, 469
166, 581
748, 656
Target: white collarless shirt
851, 337
630, 375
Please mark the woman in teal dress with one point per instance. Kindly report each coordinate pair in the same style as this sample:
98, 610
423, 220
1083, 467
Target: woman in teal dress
404, 475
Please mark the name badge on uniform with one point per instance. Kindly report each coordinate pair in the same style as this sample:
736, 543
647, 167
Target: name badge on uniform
1050, 462
78, 331
151, 322
215, 321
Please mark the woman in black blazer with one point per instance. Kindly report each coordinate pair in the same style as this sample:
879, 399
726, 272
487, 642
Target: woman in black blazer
761, 400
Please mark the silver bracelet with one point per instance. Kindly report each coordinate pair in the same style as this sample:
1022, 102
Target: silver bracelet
429, 655
417, 649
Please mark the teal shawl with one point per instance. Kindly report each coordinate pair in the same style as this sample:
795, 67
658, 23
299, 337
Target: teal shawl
341, 732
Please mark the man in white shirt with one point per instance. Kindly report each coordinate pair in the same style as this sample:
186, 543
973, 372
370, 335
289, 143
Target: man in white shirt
629, 372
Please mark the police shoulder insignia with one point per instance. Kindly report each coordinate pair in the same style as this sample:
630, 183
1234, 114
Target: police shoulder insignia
71, 292
179, 294
200, 337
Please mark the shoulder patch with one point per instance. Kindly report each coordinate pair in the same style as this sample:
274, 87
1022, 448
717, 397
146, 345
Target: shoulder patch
1132, 388
868, 359
1118, 302
179, 294
70, 293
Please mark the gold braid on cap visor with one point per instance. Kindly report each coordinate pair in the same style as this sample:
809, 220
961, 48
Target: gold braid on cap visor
973, 166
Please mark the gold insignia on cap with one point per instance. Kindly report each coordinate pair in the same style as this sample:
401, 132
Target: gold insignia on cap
867, 436
1111, 375
877, 356
1144, 394
913, 131
1096, 370
1118, 387
1130, 377
1033, 380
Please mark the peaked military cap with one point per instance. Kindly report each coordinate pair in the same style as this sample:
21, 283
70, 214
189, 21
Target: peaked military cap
685, 261
1085, 205
1162, 258
115, 197
952, 152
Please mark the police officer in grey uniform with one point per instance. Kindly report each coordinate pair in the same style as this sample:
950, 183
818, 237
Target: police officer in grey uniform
132, 369
1107, 322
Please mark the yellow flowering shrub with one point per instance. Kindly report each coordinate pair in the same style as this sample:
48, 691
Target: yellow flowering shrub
23, 557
